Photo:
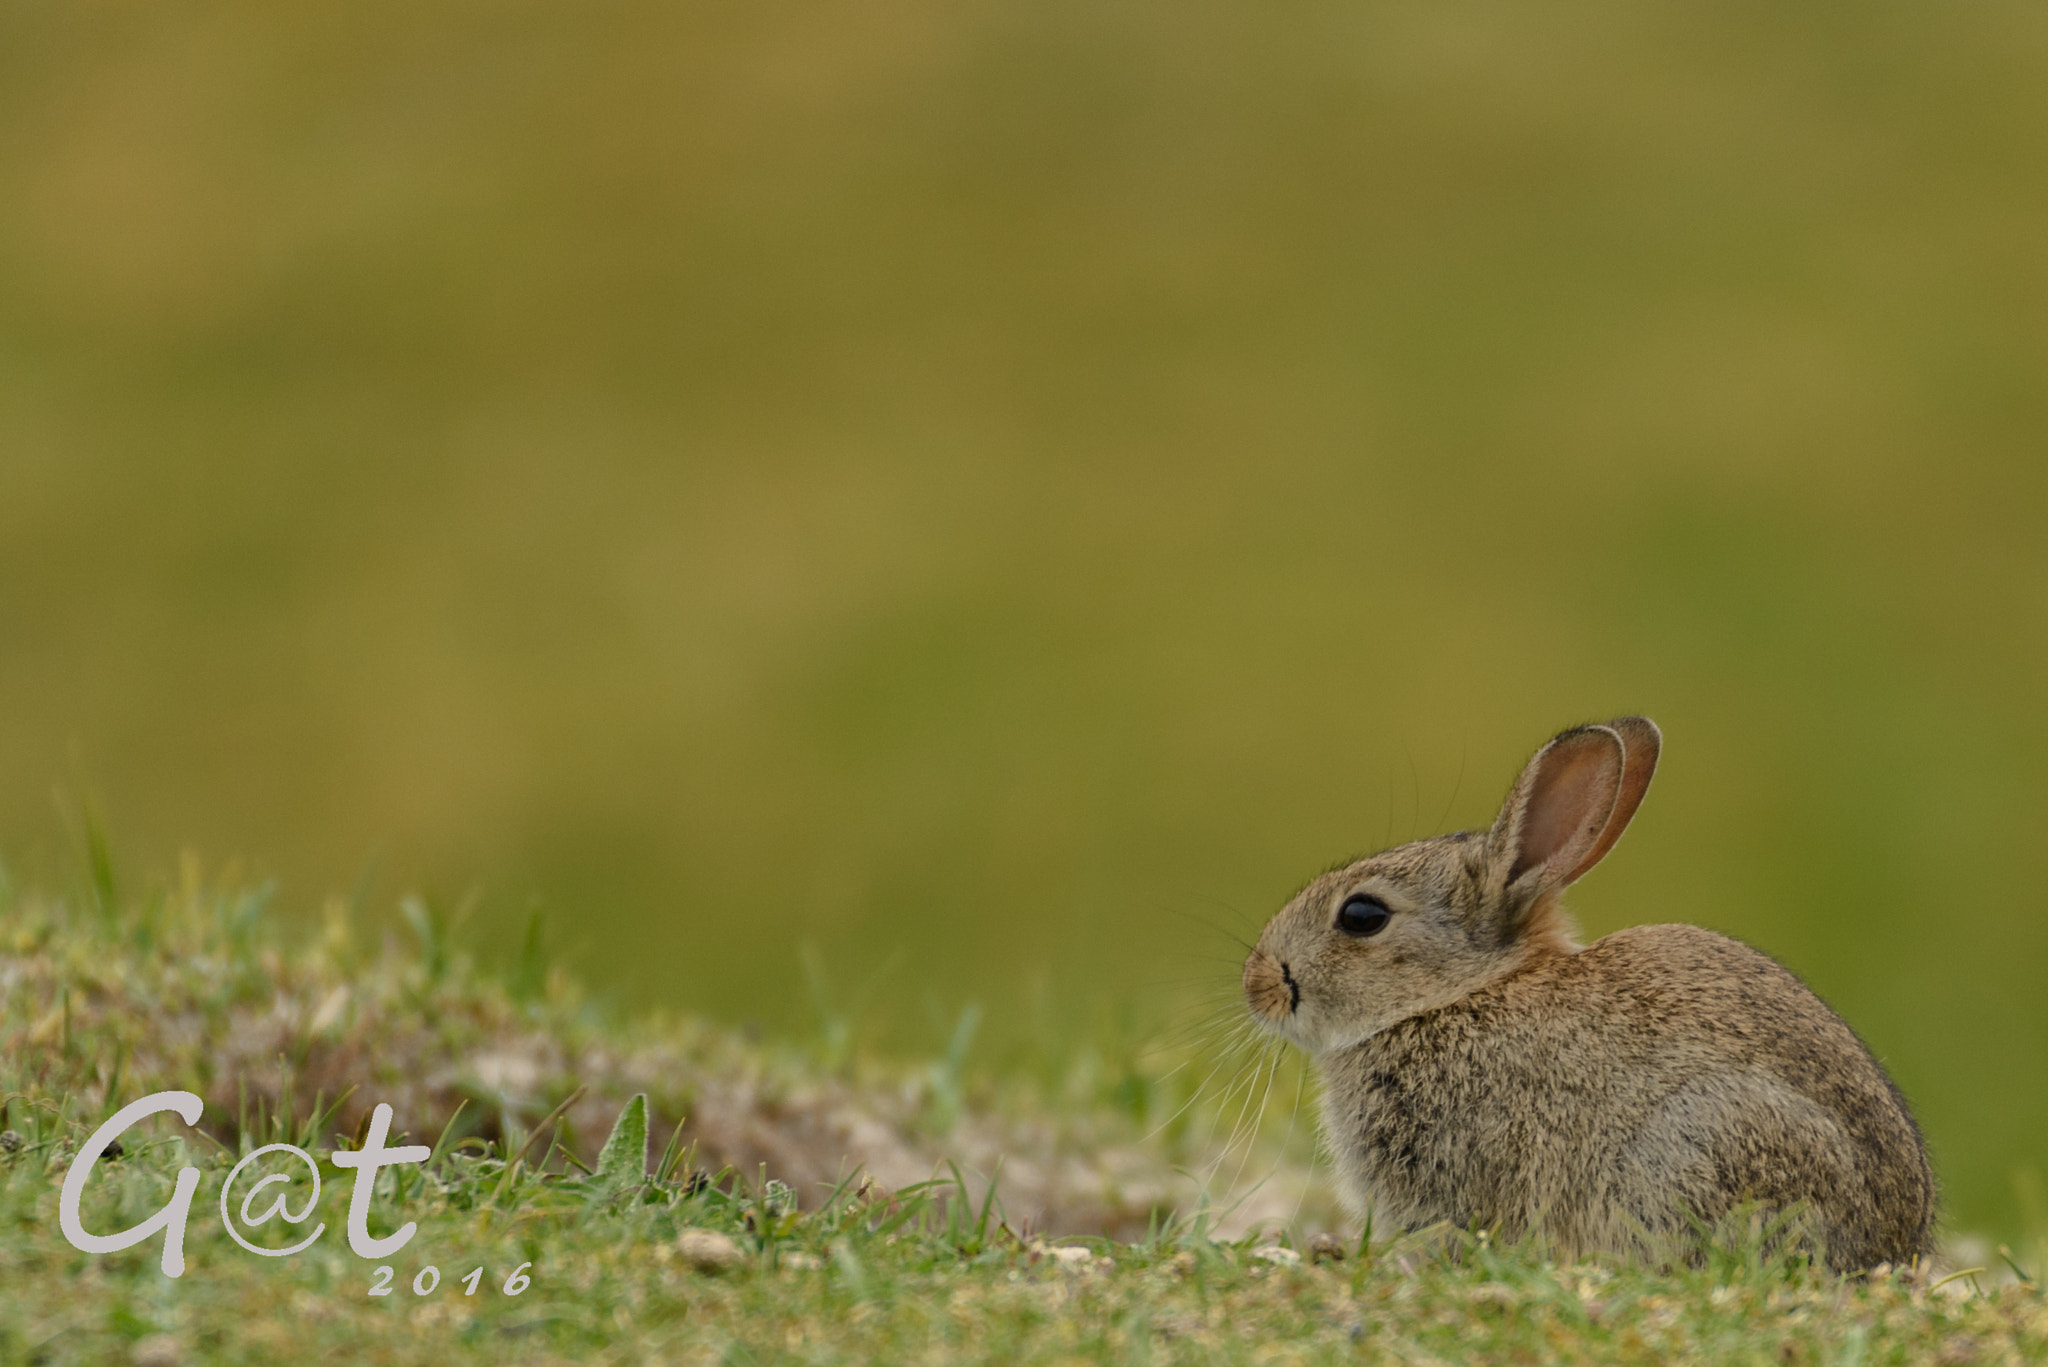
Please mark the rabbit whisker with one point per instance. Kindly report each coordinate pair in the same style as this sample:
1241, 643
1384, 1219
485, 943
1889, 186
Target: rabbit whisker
1251, 1135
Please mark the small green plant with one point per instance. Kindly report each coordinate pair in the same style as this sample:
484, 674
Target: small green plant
622, 1162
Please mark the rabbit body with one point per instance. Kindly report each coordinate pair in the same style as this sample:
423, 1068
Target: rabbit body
1479, 1067
1605, 1094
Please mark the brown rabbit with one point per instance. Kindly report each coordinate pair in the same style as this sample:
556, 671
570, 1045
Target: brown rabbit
1481, 1068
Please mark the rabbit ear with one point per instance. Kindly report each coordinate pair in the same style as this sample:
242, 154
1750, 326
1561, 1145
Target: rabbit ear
1641, 743
1556, 818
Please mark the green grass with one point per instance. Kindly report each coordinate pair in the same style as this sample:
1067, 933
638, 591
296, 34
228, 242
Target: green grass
920, 1276
916, 1279
104, 1003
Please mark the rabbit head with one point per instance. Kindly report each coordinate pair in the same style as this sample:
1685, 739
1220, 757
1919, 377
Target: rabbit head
1422, 925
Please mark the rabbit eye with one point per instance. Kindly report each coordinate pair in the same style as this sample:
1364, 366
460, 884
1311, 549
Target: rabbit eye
1363, 916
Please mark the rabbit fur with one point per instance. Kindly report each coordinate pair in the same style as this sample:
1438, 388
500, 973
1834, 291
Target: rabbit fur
1480, 1067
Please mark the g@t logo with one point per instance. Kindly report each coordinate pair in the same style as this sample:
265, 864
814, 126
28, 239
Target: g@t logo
367, 1161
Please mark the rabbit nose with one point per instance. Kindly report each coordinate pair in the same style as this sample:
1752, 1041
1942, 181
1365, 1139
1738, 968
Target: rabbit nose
1269, 986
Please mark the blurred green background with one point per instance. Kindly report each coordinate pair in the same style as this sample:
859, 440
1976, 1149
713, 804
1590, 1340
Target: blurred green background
1017, 486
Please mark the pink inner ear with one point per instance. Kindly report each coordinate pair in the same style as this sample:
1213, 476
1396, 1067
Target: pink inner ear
1573, 797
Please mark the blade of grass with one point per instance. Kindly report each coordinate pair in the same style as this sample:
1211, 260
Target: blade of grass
548, 1119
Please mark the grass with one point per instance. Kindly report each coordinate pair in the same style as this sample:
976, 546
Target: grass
920, 1276
647, 1248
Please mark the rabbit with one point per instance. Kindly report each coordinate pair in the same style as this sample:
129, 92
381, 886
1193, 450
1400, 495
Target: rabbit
1480, 1067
